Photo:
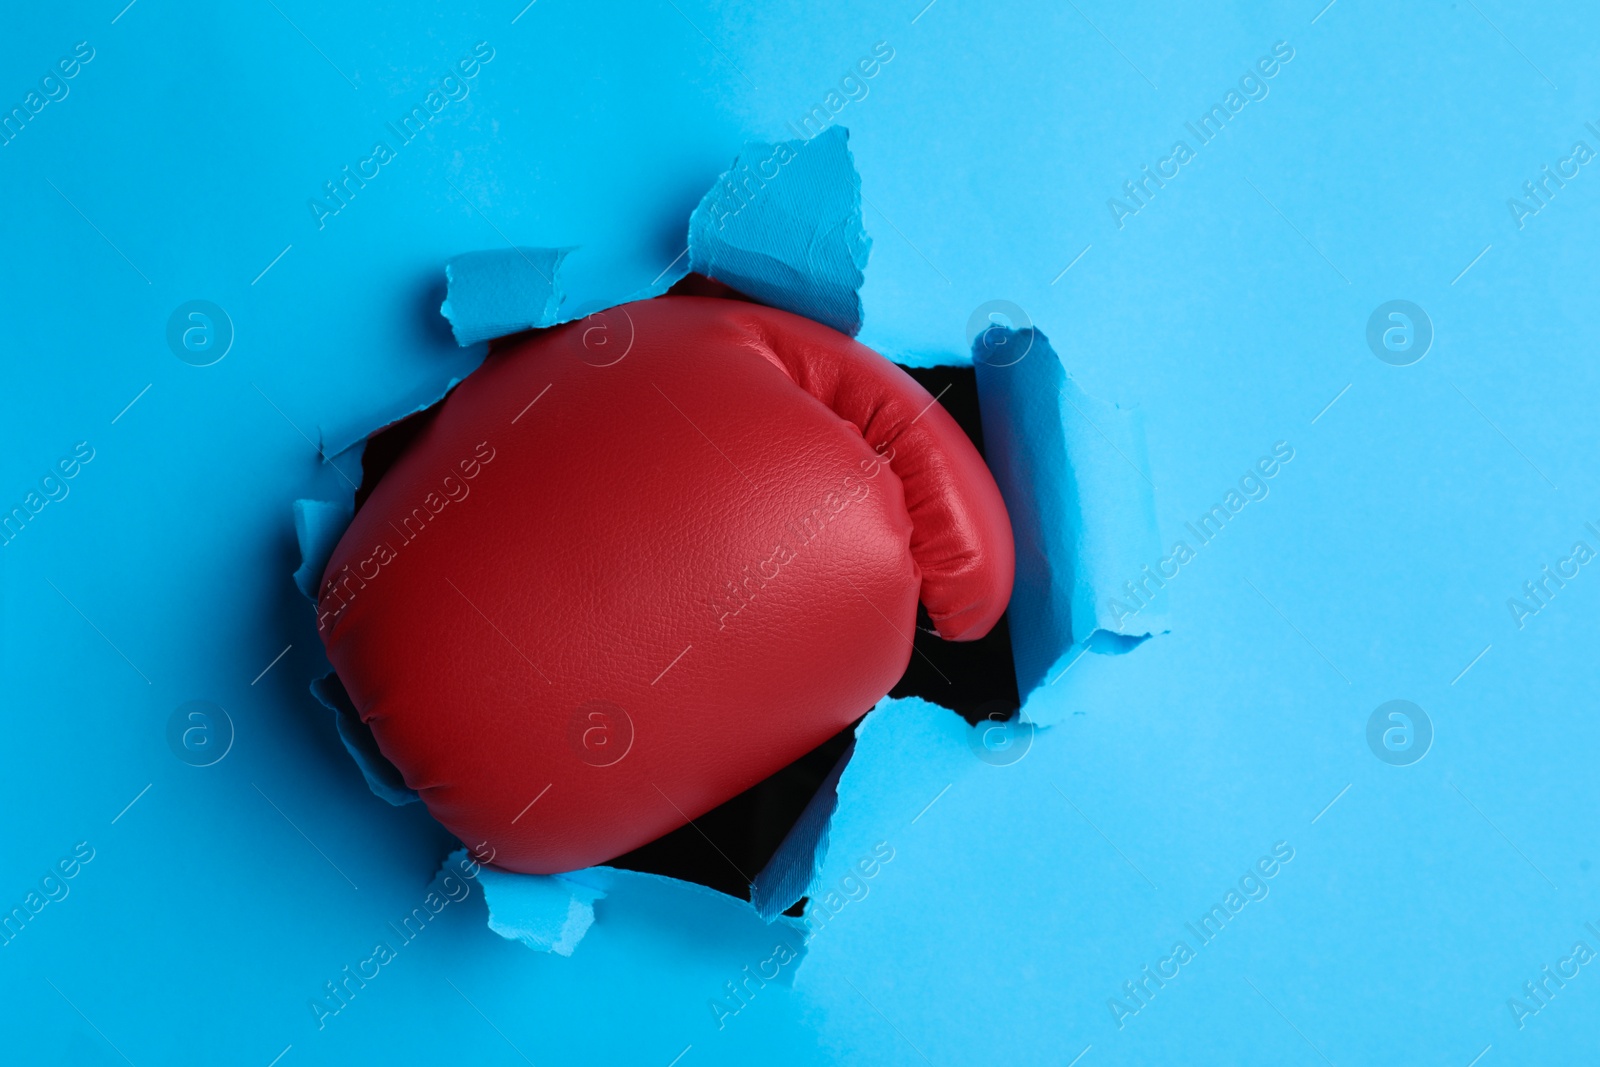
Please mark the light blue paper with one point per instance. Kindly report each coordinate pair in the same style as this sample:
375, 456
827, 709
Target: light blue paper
1073, 471
1234, 304
783, 225
501, 291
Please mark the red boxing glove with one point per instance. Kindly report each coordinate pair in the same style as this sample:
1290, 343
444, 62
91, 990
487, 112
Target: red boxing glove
633, 565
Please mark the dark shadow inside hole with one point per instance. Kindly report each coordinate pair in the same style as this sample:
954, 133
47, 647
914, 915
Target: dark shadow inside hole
729, 844
976, 679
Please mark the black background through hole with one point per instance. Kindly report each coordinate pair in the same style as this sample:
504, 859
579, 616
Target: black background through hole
729, 845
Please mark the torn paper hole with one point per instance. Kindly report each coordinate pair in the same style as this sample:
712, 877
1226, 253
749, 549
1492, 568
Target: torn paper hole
783, 226
1075, 477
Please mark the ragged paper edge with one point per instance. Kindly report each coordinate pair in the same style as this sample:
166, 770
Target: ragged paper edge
537, 295
554, 912
875, 794
745, 231
502, 291
1074, 474
796, 864
382, 777
318, 525
350, 448
881, 798
742, 233
530, 281
545, 912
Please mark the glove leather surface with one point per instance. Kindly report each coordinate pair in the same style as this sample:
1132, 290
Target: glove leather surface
635, 564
